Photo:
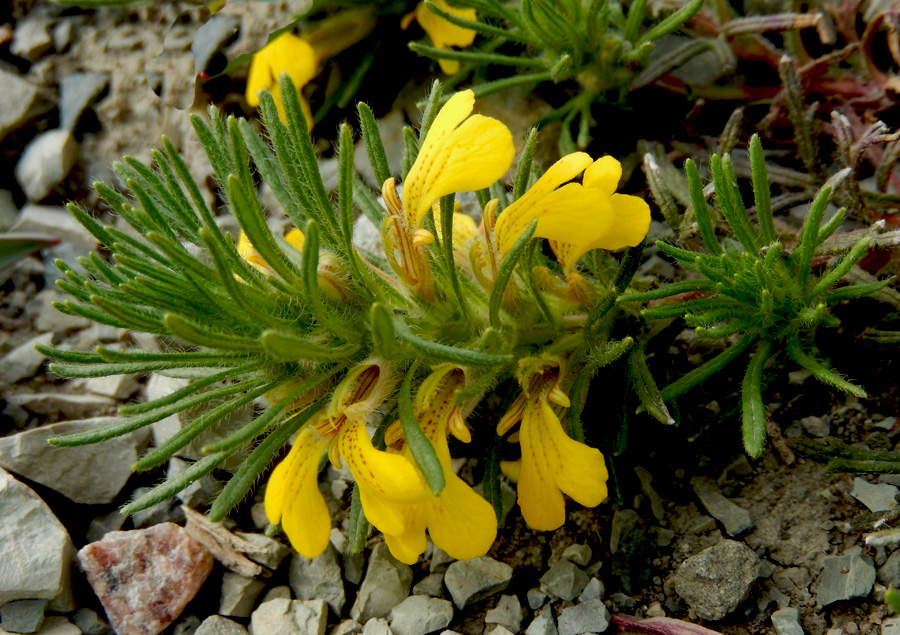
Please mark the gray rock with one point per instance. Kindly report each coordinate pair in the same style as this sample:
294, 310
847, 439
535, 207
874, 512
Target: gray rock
717, 579
497, 629
31, 39
218, 32
564, 580
63, 33
102, 525
588, 617
386, 584
35, 550
275, 551
578, 554
377, 626
508, 612
347, 627
593, 591
440, 561
238, 594
78, 92
787, 622
282, 592
816, 426
543, 623
844, 577
889, 627
624, 524
199, 493
432, 584
734, 519
166, 511
23, 616
9, 212
536, 598
47, 318
321, 578
420, 614
878, 497
218, 625
354, 565
88, 474
90, 623
471, 580
20, 101
70, 405
889, 572
187, 626
45, 162
24, 361
59, 626
119, 387
290, 617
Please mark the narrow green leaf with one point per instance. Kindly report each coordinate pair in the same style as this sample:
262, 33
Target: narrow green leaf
419, 444
358, 528
819, 370
645, 387
672, 23
707, 370
753, 410
634, 19
257, 462
761, 194
289, 347
473, 57
374, 145
455, 354
701, 209
674, 288
201, 335
838, 270
173, 486
510, 260
523, 169
491, 487
801, 259
853, 291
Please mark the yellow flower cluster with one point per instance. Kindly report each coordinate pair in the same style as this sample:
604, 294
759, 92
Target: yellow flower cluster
461, 152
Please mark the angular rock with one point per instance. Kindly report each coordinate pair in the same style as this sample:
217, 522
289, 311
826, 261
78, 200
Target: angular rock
186, 626
239, 594
588, 617
420, 614
199, 493
116, 386
290, 617
218, 625
20, 101
90, 623
281, 592
78, 92
9, 212
889, 572
578, 554
23, 616
377, 626
71, 405
102, 525
536, 598
734, 519
543, 623
508, 612
844, 577
272, 551
54, 221
471, 580
889, 627
59, 626
717, 579
347, 627
127, 567
45, 162
564, 580
89, 474
165, 511
35, 550
386, 584
787, 622
431, 585
218, 32
593, 591
497, 629
816, 426
31, 39
320, 578
24, 361
878, 497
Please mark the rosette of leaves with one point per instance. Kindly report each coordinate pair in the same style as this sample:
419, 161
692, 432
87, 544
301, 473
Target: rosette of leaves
591, 42
755, 291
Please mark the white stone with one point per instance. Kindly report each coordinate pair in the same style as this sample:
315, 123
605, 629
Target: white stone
319, 578
289, 617
238, 595
53, 221
115, 386
89, 474
45, 162
20, 101
878, 497
35, 549
70, 405
31, 39
377, 626
58, 626
24, 361
218, 625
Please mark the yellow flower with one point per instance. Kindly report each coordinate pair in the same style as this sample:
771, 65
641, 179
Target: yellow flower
443, 34
385, 481
289, 54
577, 217
459, 153
552, 462
460, 522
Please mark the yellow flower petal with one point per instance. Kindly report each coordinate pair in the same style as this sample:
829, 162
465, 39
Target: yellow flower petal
458, 153
385, 481
553, 463
412, 543
514, 220
443, 34
631, 221
295, 239
461, 522
603, 174
285, 54
293, 497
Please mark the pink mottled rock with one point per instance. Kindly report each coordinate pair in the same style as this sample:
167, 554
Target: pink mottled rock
145, 578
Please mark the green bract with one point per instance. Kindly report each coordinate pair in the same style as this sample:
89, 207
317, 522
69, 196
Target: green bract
756, 289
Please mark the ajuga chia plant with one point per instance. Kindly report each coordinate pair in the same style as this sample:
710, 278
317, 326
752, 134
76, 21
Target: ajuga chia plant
591, 42
754, 288
335, 339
